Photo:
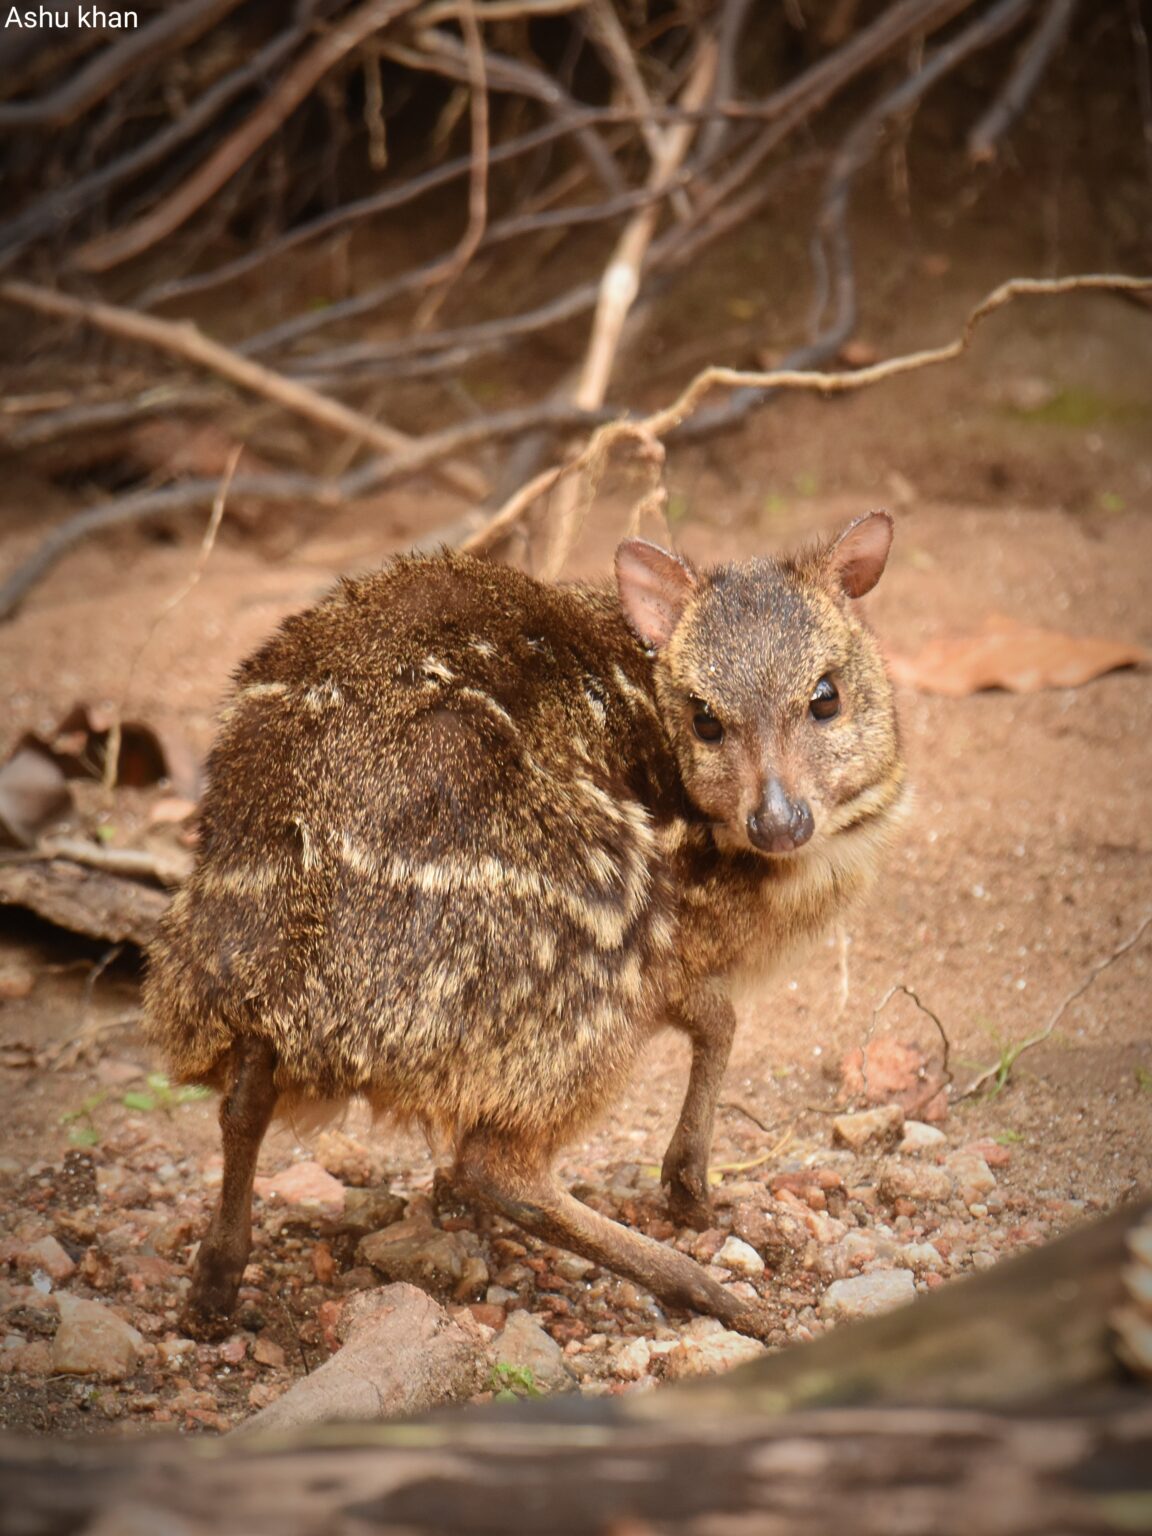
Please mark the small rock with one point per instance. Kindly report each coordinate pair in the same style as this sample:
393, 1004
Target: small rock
914, 1181
487, 1314
972, 1174
92, 1341
500, 1295
370, 1210
632, 1360
776, 1233
880, 1127
919, 1137
233, 1350
34, 1359
740, 1258
524, 1344
867, 1295
307, 1185
473, 1281
175, 1353
920, 1256
418, 1252
268, 1352
48, 1256
708, 1244
706, 1348
570, 1266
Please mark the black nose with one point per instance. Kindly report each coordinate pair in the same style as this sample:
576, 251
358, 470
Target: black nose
781, 825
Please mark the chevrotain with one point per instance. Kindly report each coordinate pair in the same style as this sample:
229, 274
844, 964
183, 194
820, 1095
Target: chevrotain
469, 839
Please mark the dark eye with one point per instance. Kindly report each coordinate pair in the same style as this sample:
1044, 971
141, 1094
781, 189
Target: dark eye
825, 701
705, 724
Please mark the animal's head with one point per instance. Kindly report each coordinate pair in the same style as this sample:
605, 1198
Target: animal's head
770, 687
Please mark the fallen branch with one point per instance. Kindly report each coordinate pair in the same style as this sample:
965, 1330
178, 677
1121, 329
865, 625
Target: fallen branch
172, 28
661, 422
618, 288
60, 206
184, 339
997, 1403
1034, 59
831, 240
989, 1073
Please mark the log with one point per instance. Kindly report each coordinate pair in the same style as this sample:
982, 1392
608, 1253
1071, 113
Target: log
1049, 1435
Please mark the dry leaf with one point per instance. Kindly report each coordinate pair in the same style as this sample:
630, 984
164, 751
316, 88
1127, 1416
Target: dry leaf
1014, 656
33, 794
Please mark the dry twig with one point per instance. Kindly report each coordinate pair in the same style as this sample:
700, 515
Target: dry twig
121, 245
184, 339
662, 422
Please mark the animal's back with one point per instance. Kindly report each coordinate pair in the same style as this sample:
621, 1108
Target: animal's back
429, 869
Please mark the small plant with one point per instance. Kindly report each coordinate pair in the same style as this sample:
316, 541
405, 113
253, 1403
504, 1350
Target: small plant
82, 1128
510, 1382
161, 1095
1009, 1138
1009, 1051
1143, 1079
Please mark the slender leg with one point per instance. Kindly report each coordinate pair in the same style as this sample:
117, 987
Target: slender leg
710, 1023
245, 1112
516, 1181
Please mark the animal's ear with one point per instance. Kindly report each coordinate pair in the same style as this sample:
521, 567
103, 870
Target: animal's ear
654, 589
856, 561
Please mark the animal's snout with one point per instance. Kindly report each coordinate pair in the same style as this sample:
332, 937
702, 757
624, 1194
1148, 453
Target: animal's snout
780, 824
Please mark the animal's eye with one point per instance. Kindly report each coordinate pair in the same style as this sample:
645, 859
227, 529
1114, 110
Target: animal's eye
825, 701
705, 724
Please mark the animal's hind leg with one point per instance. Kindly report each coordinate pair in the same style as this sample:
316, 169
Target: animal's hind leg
245, 1112
515, 1180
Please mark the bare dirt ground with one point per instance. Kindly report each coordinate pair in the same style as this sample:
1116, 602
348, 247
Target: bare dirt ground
1021, 479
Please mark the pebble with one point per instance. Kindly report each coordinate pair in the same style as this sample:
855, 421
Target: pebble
920, 1256
919, 1137
524, 1344
972, 1174
420, 1253
48, 1256
268, 1352
739, 1257
867, 1295
307, 1185
369, 1210
914, 1181
882, 1127
92, 1341
706, 1348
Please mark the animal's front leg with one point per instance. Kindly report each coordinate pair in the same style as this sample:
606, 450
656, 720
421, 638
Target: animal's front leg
709, 1021
245, 1112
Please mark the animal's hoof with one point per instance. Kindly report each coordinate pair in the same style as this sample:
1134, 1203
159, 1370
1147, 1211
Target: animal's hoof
688, 1204
207, 1326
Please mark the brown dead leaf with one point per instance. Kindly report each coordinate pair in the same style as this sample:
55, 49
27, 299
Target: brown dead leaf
33, 794
1017, 657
